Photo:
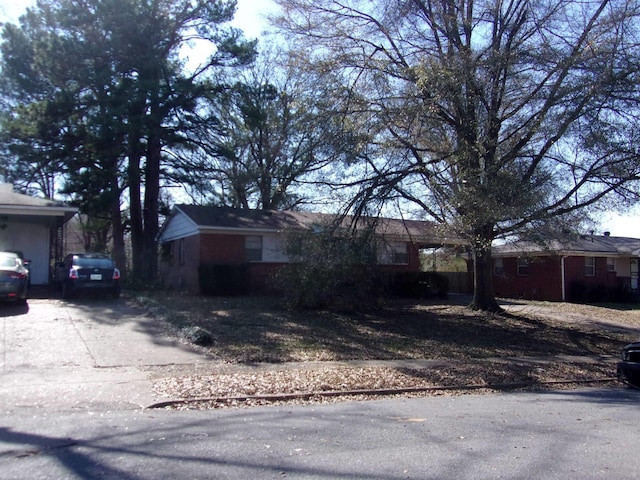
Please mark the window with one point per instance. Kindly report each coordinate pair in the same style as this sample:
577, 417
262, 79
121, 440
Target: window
400, 255
253, 248
523, 267
393, 253
589, 266
498, 267
611, 264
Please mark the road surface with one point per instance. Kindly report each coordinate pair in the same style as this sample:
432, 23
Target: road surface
75, 383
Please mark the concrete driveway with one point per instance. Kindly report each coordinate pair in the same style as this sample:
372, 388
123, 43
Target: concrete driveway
86, 354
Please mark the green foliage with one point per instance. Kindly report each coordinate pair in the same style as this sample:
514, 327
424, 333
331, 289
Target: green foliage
95, 93
332, 270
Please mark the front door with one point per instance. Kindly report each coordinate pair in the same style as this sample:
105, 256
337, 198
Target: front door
634, 274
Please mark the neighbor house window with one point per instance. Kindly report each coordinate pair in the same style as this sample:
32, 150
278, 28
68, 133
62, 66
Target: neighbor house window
399, 253
253, 248
590, 266
611, 264
498, 267
523, 267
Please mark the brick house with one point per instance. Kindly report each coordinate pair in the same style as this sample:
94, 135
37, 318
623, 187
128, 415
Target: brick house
193, 236
584, 268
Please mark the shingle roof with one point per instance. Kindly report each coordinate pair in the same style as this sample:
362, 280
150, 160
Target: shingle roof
580, 245
10, 198
17, 204
225, 218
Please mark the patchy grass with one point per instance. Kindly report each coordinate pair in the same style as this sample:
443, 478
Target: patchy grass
258, 345
249, 329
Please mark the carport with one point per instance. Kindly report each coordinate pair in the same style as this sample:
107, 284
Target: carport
33, 226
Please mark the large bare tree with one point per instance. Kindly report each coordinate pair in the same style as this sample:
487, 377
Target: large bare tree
491, 116
265, 137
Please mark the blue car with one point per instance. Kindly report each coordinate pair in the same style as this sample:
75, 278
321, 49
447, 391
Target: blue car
629, 367
14, 278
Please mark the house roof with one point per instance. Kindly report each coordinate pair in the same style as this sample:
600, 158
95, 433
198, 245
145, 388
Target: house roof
19, 205
230, 220
583, 245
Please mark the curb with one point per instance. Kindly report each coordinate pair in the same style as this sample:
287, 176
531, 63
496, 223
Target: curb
377, 392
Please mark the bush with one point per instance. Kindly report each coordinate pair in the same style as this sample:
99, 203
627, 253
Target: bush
577, 292
419, 285
223, 279
335, 270
346, 288
580, 292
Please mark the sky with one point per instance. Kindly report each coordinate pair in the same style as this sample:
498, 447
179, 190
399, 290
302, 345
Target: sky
250, 18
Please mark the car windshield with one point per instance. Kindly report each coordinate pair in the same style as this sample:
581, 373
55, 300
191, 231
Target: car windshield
96, 262
8, 260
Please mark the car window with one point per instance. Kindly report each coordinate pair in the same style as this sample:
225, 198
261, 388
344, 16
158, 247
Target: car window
93, 262
8, 260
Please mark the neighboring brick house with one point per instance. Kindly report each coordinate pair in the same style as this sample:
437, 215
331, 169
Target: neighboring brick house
199, 235
584, 268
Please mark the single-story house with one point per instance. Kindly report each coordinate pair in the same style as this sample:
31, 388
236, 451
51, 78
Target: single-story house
193, 236
33, 226
582, 268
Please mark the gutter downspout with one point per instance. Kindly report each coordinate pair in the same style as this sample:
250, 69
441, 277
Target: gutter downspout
564, 299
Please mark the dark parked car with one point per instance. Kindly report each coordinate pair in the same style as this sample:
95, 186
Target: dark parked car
84, 272
14, 277
629, 367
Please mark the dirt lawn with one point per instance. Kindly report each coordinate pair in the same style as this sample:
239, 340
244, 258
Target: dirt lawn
274, 355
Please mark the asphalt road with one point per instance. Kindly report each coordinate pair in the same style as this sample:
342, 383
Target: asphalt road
75, 379
587, 434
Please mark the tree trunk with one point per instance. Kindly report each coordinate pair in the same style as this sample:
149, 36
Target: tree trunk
152, 182
135, 214
151, 208
483, 294
119, 251
137, 114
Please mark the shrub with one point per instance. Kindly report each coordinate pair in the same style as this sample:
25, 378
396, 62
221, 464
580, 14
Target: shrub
346, 287
333, 271
580, 292
577, 292
419, 285
223, 279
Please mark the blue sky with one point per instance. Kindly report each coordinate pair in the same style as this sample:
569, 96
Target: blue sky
249, 15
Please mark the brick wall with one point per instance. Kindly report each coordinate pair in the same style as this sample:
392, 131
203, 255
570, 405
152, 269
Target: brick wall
544, 279
229, 249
